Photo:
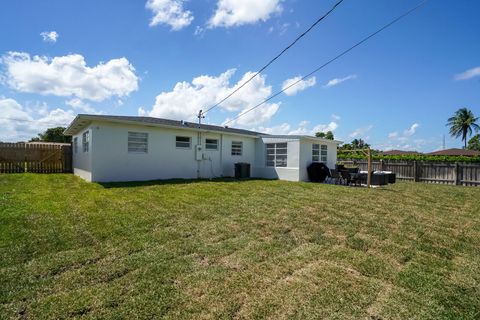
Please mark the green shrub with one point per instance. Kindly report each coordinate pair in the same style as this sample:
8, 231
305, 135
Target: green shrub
421, 157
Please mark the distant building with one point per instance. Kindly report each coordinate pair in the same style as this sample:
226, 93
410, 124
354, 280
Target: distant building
455, 152
400, 153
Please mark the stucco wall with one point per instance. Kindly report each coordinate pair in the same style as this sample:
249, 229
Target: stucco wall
82, 161
248, 154
111, 160
290, 172
306, 155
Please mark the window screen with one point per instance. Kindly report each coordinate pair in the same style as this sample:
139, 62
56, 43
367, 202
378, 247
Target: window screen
137, 142
276, 154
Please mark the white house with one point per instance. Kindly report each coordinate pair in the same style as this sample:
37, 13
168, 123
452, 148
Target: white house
125, 148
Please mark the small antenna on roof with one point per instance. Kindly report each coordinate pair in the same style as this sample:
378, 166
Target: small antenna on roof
200, 116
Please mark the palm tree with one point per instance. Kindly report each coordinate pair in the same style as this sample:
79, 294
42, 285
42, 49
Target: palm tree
462, 123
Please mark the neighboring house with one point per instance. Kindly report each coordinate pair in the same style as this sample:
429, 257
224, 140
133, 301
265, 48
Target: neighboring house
124, 148
400, 153
455, 152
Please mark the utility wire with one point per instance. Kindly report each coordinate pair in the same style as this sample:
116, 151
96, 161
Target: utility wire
275, 58
331, 60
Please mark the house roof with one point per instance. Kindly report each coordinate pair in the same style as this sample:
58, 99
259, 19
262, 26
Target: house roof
299, 137
83, 120
455, 152
400, 153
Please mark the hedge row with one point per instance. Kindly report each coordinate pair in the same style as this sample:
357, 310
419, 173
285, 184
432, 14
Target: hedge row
357, 156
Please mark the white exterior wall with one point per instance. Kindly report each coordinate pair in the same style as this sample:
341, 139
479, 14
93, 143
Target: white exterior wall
306, 155
82, 161
291, 172
111, 160
108, 158
248, 153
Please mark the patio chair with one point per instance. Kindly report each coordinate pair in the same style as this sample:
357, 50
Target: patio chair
335, 176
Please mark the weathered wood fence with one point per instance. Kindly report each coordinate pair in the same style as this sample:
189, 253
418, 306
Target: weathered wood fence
456, 173
34, 157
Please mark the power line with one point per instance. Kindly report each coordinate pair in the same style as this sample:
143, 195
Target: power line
331, 60
275, 58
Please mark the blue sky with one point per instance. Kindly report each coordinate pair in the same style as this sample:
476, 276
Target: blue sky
169, 58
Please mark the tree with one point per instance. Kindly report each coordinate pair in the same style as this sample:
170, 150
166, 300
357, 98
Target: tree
53, 135
359, 144
474, 143
325, 135
462, 124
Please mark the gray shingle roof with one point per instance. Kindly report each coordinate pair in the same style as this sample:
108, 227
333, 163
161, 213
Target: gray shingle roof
156, 121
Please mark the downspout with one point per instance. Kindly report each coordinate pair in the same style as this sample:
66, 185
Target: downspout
199, 142
221, 155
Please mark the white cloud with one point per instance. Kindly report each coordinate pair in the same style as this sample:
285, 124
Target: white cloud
411, 131
199, 31
69, 76
336, 117
403, 140
337, 81
186, 99
360, 132
303, 128
49, 36
78, 104
392, 135
142, 112
281, 28
283, 128
169, 12
20, 124
231, 13
332, 126
469, 74
294, 85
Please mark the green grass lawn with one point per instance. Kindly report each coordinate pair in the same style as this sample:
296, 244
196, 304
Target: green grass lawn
225, 249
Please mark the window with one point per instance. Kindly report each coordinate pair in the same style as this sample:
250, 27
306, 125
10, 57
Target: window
75, 145
86, 141
237, 148
315, 152
137, 142
183, 142
323, 153
276, 154
211, 144
319, 152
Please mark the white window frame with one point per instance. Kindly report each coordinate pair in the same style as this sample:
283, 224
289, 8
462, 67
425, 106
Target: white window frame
86, 141
279, 153
211, 144
324, 153
315, 152
185, 142
137, 142
237, 148
75, 145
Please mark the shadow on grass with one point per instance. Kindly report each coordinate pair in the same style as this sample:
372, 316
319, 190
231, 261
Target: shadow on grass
133, 184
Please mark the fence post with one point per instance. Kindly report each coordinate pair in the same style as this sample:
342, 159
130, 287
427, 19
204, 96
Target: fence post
456, 174
415, 171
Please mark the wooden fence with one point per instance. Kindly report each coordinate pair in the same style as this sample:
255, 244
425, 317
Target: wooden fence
456, 173
34, 157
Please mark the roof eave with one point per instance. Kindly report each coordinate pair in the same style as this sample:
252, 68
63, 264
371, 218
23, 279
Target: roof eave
69, 131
